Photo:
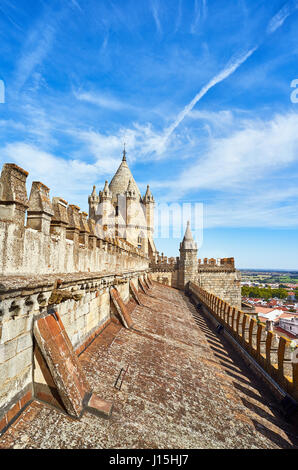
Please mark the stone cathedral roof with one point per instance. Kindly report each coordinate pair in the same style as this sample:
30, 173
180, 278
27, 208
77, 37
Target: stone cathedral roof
121, 179
185, 388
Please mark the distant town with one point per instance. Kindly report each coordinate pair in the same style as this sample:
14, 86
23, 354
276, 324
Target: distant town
272, 296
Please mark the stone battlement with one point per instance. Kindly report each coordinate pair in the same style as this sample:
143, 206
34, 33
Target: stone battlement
43, 237
62, 283
225, 263
272, 357
161, 263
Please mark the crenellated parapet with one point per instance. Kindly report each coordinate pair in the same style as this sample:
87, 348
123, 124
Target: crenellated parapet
13, 194
38, 235
272, 357
60, 216
223, 264
161, 263
164, 269
220, 277
40, 209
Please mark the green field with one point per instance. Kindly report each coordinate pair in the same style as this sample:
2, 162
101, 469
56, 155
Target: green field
270, 277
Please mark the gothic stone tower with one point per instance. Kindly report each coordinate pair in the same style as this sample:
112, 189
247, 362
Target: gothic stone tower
188, 262
121, 211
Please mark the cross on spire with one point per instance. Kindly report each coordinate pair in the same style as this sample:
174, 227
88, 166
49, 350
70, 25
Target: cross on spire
124, 154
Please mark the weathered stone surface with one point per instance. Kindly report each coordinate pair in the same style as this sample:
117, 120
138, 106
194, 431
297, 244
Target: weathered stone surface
120, 211
147, 283
185, 388
143, 287
13, 193
120, 307
99, 407
61, 259
40, 208
134, 292
66, 371
223, 283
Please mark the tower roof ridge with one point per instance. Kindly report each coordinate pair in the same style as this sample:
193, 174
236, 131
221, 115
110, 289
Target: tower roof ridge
188, 240
120, 180
188, 235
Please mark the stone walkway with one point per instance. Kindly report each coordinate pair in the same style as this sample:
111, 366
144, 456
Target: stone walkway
184, 388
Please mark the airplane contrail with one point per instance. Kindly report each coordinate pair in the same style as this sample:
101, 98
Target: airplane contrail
226, 72
275, 23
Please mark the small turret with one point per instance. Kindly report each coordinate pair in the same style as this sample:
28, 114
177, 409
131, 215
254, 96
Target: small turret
106, 193
188, 263
188, 242
148, 198
130, 192
93, 202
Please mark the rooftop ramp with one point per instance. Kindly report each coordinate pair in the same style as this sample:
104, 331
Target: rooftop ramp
174, 383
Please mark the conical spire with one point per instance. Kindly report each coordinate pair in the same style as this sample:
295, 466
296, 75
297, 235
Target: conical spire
188, 235
148, 195
106, 193
120, 181
93, 198
188, 242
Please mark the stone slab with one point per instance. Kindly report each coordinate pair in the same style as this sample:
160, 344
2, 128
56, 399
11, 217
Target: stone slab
144, 289
120, 307
134, 292
187, 388
147, 283
99, 407
63, 363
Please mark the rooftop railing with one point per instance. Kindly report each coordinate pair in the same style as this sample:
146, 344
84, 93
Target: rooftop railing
277, 355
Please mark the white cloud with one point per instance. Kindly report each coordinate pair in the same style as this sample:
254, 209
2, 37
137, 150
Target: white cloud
76, 5
70, 179
102, 100
200, 11
142, 143
218, 119
245, 155
155, 13
36, 48
278, 20
275, 23
240, 173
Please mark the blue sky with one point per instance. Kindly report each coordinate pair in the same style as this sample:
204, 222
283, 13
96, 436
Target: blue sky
200, 93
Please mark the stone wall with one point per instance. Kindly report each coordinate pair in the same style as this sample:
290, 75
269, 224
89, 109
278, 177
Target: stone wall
83, 303
57, 237
168, 278
52, 259
216, 276
224, 283
164, 270
271, 357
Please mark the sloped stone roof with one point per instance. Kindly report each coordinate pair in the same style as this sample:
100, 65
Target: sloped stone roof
188, 242
185, 388
120, 181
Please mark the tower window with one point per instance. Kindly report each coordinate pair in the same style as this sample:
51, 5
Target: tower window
140, 241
